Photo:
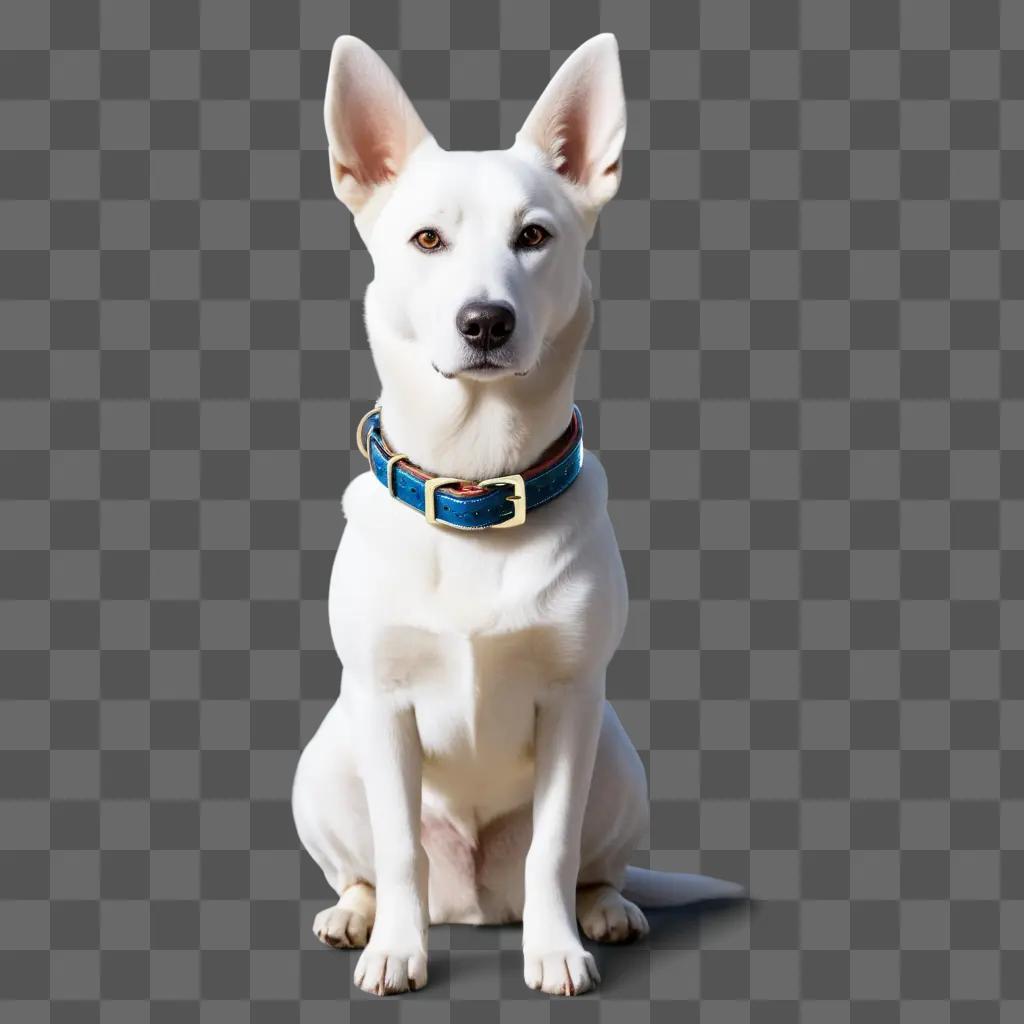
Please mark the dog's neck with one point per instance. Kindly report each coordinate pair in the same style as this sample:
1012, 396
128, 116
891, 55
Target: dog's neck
479, 429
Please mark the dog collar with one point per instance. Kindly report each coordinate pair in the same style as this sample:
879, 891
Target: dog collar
499, 502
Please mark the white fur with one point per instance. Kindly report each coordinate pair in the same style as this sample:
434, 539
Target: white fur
471, 769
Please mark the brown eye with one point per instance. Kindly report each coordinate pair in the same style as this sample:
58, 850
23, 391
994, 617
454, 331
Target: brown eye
532, 237
427, 239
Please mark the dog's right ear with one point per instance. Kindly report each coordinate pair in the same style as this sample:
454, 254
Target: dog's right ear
372, 126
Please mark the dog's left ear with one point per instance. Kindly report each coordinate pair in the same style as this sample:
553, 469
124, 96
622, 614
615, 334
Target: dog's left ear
579, 122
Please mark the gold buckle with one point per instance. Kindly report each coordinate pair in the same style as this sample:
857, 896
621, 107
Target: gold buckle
363, 450
516, 482
518, 497
391, 472
430, 501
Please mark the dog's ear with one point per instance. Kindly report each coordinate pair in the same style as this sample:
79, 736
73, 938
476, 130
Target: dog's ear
579, 122
372, 126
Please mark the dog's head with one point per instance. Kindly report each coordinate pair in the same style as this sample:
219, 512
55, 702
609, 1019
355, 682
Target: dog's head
478, 256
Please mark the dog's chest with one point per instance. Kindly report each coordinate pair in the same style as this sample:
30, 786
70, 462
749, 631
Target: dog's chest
423, 609
470, 635
472, 632
477, 690
473, 670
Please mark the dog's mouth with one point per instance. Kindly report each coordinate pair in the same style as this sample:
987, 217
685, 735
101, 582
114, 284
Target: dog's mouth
480, 368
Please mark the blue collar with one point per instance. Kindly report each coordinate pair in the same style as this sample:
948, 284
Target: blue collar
467, 505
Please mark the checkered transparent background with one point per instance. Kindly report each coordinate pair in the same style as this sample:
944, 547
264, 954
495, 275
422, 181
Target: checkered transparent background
806, 383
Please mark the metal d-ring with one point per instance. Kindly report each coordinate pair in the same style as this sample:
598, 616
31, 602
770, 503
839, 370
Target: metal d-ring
364, 449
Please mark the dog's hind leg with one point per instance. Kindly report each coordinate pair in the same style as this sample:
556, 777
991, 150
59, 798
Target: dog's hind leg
613, 825
332, 821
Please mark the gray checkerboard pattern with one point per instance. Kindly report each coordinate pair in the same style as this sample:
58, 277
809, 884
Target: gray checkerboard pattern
807, 385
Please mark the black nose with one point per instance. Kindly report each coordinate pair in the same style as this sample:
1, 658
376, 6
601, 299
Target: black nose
485, 325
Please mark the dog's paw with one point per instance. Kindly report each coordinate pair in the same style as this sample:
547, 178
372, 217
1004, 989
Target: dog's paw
569, 972
605, 915
342, 927
385, 972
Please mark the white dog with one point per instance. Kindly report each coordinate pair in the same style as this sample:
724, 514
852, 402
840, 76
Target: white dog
471, 770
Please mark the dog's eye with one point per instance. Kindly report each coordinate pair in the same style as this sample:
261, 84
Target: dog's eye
428, 239
533, 236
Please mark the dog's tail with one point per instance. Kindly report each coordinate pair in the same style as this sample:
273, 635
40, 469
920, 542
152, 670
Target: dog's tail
666, 889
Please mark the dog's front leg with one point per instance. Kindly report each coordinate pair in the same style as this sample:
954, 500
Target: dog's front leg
568, 725
395, 958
